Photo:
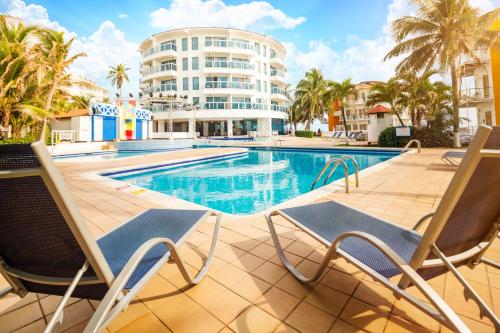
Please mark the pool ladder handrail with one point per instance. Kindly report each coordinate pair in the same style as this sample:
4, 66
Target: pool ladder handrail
338, 161
419, 146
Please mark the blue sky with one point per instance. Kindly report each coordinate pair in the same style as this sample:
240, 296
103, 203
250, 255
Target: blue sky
343, 38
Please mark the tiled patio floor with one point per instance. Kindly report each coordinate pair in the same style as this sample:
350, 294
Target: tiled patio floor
248, 290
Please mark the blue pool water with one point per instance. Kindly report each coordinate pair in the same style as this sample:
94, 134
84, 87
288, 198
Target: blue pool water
250, 183
101, 156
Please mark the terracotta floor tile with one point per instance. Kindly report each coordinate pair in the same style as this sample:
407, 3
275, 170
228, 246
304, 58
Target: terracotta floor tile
205, 292
399, 325
278, 302
300, 249
229, 275
289, 284
74, 314
270, 272
292, 258
248, 262
327, 299
407, 311
227, 306
340, 281
375, 294
20, 317
308, 318
284, 328
364, 316
254, 319
342, 327
250, 287
135, 311
198, 321
34, 327
264, 251
11, 302
145, 323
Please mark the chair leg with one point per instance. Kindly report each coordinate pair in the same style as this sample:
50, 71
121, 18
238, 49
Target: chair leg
490, 262
331, 254
469, 292
6, 291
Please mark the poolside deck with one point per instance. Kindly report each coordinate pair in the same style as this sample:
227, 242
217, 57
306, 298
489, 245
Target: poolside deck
247, 289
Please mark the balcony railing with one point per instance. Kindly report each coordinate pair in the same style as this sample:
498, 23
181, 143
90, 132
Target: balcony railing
160, 68
230, 64
277, 73
231, 85
476, 94
279, 108
161, 48
276, 90
276, 56
178, 106
161, 88
229, 44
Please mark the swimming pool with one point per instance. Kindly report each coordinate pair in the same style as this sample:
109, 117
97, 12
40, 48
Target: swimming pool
250, 183
109, 155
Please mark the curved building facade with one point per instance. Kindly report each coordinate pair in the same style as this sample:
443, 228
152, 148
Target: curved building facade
213, 82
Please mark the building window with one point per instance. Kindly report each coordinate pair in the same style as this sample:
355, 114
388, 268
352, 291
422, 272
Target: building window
265, 68
184, 44
185, 83
168, 45
264, 51
194, 43
185, 64
257, 48
196, 83
216, 82
196, 100
265, 86
195, 63
257, 82
168, 85
216, 41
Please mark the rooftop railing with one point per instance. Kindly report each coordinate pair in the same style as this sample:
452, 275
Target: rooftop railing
229, 44
160, 48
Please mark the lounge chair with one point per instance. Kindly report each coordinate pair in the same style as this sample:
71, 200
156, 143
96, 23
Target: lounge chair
452, 157
46, 247
460, 230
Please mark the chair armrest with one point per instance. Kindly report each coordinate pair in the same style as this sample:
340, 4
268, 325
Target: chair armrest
421, 221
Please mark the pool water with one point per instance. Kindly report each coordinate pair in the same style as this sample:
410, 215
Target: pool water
102, 156
250, 183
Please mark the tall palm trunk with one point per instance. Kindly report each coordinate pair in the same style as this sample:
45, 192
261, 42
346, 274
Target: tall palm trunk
48, 105
455, 106
399, 117
6, 117
344, 120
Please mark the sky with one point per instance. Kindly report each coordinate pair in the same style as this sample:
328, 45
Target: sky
342, 38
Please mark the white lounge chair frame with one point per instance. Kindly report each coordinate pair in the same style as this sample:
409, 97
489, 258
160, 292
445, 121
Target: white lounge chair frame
440, 310
116, 298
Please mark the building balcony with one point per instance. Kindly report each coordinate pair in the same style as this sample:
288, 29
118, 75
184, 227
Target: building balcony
229, 46
162, 88
241, 88
168, 70
277, 60
277, 76
470, 64
229, 67
169, 50
279, 108
278, 93
473, 96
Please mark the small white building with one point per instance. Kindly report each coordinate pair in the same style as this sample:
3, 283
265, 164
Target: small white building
379, 118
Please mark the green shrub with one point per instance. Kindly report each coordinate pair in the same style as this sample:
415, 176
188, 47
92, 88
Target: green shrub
19, 141
304, 134
428, 137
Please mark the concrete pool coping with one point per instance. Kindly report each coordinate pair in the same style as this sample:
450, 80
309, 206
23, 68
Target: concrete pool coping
168, 201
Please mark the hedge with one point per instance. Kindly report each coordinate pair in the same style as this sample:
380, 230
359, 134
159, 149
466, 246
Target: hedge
18, 141
304, 134
428, 137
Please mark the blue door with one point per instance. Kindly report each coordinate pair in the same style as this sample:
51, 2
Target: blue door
138, 129
108, 128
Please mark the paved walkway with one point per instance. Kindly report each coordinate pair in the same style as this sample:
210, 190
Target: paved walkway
247, 289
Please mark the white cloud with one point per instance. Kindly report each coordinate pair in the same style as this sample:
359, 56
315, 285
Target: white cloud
255, 15
123, 16
106, 47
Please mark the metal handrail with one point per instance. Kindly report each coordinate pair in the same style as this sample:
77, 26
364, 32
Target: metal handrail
344, 158
419, 145
346, 172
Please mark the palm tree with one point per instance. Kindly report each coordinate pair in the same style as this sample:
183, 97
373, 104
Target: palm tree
56, 61
440, 33
118, 76
15, 68
340, 91
391, 93
416, 88
309, 96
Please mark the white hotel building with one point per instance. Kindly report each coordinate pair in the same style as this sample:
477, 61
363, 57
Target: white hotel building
223, 82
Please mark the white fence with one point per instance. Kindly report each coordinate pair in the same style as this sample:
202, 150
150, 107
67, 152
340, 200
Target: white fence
60, 136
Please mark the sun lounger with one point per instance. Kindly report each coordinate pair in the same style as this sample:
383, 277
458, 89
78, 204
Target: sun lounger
46, 247
464, 224
452, 157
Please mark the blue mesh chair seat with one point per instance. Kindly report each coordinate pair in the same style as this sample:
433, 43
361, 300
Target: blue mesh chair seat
329, 220
120, 244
